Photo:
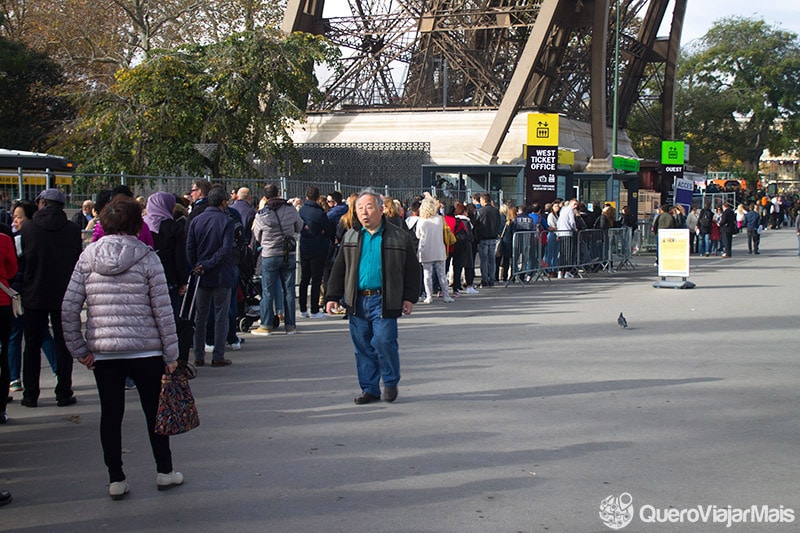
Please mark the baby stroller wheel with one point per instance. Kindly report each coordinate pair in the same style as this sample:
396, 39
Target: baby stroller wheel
245, 323
276, 321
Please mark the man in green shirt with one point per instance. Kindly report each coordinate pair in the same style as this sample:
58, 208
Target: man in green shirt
376, 276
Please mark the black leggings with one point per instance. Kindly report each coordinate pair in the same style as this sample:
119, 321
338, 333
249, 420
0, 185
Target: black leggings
6, 317
110, 377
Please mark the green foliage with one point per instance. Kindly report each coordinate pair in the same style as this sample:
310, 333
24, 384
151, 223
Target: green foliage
738, 94
30, 104
240, 95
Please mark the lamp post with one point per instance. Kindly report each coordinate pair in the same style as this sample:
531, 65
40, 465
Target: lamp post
615, 110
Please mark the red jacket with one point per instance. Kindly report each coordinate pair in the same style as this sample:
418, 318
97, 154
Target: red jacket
8, 266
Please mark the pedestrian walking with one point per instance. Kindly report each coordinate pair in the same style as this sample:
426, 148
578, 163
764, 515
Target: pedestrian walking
128, 333
376, 276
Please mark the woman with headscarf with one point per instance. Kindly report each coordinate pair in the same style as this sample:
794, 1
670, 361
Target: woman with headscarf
169, 240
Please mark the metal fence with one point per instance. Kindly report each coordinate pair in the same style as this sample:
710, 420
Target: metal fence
537, 255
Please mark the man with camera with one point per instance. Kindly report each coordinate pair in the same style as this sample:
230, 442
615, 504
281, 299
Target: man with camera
274, 228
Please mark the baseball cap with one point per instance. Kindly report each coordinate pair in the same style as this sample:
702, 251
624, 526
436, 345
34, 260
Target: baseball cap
52, 194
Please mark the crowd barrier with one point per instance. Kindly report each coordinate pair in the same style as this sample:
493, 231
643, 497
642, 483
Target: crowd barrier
536, 255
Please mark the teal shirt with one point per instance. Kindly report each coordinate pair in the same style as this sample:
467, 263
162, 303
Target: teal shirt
370, 267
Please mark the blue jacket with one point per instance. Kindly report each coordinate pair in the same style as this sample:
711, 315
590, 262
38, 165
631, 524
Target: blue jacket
210, 243
335, 213
318, 231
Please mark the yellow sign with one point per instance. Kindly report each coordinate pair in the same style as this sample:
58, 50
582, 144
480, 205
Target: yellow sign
566, 157
543, 129
40, 179
673, 252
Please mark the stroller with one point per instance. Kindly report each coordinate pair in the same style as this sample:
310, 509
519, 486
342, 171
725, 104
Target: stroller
248, 301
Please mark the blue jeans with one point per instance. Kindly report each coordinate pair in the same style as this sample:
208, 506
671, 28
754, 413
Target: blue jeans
277, 275
704, 243
376, 349
486, 253
15, 348
218, 299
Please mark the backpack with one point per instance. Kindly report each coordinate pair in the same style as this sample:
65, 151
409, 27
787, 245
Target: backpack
462, 236
704, 220
242, 255
412, 231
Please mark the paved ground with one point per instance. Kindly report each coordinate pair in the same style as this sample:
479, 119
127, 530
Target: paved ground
520, 409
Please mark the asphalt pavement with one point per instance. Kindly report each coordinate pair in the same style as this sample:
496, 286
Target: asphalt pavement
520, 409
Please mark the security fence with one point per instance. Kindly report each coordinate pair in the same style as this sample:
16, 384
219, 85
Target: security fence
539, 255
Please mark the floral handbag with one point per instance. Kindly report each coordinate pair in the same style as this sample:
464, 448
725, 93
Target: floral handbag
177, 412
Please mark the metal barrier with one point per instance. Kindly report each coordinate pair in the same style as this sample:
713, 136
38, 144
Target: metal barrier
647, 241
527, 260
620, 248
577, 254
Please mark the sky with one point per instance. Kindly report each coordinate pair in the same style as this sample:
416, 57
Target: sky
700, 14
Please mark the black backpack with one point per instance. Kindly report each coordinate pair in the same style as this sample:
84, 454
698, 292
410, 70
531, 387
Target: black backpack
412, 231
705, 218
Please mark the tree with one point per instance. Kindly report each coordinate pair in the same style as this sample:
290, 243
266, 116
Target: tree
239, 96
738, 95
29, 105
745, 85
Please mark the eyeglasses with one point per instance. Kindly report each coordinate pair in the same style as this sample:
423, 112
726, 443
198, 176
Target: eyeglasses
194, 190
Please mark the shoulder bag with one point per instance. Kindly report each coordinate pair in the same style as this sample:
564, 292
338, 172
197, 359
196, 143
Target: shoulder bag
16, 300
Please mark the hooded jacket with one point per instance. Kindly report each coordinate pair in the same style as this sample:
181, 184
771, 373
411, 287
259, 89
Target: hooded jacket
129, 312
51, 245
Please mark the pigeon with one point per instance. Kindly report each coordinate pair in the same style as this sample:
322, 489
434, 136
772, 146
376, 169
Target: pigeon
622, 322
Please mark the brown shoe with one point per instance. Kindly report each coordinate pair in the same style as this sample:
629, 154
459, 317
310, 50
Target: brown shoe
223, 362
390, 394
366, 398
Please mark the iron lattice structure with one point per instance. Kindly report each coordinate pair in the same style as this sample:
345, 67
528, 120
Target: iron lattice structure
548, 55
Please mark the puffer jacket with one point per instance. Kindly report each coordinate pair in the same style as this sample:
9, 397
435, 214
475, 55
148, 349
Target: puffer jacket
129, 311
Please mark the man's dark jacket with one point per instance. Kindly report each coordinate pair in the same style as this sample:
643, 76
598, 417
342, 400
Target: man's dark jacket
51, 245
728, 221
488, 223
210, 244
400, 271
318, 231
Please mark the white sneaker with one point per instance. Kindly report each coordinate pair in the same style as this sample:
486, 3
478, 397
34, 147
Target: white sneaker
118, 489
569, 275
304, 314
209, 348
448, 300
318, 314
427, 300
471, 290
235, 346
167, 481
560, 275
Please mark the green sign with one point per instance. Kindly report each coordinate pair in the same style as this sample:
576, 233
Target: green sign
628, 164
672, 152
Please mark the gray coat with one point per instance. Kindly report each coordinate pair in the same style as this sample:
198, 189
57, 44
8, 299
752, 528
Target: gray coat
128, 306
